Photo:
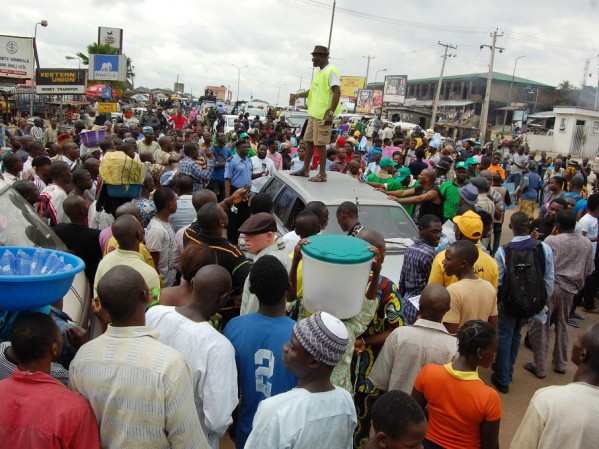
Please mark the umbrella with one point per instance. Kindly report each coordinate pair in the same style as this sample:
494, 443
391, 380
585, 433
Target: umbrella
96, 91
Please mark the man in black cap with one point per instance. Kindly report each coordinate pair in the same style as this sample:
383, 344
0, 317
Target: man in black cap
260, 240
323, 104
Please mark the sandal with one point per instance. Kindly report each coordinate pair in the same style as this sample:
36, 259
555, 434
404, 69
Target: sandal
530, 367
299, 173
318, 178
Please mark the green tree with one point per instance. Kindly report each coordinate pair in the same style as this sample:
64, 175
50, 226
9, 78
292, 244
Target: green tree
565, 85
105, 49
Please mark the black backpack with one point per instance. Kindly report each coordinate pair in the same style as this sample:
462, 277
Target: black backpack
523, 292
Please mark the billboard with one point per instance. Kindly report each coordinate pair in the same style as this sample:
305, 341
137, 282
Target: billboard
179, 87
16, 57
365, 101
108, 67
350, 85
112, 37
60, 81
395, 89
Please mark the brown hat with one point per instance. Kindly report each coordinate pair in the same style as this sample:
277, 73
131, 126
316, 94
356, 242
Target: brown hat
259, 224
320, 49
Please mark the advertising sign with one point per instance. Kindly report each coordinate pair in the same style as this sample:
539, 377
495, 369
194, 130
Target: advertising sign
350, 85
112, 37
16, 57
60, 81
378, 100
107, 93
108, 67
365, 101
395, 89
107, 107
179, 87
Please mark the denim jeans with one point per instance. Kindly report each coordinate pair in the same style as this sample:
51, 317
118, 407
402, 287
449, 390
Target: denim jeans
507, 348
515, 178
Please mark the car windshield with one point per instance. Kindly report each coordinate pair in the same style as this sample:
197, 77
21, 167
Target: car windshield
231, 121
392, 222
21, 225
255, 112
297, 119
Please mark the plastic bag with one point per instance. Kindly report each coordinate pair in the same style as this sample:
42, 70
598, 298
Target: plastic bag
8, 263
118, 169
38, 260
23, 263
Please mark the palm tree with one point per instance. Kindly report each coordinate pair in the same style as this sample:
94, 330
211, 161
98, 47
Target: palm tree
105, 49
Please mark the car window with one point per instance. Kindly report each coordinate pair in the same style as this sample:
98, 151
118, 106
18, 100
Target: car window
21, 225
284, 203
298, 206
273, 188
392, 222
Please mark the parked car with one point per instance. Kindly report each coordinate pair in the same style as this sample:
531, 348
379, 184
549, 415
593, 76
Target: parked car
295, 119
290, 195
260, 113
229, 123
21, 225
370, 126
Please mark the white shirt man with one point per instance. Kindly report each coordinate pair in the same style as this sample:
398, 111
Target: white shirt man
261, 165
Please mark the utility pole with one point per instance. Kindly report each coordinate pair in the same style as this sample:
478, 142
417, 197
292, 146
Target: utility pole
367, 69
438, 92
509, 94
586, 73
597, 92
331, 29
485, 110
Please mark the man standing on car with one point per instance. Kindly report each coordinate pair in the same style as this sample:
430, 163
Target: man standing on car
323, 104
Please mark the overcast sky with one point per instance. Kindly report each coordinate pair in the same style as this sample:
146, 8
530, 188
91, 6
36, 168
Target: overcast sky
200, 39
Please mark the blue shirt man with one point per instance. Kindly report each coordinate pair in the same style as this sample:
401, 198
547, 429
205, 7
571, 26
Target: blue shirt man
190, 166
258, 339
221, 155
238, 171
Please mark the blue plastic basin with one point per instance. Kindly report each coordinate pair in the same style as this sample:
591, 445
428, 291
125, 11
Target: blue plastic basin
30, 292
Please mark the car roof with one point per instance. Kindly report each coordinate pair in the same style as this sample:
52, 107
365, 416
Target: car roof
339, 188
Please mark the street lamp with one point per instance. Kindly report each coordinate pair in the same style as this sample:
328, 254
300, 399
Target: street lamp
377, 74
43, 23
238, 78
279, 94
71, 58
509, 95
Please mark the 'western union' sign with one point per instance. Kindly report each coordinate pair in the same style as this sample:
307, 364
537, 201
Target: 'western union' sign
60, 81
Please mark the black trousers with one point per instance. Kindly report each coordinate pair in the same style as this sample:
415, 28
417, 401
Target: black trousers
236, 219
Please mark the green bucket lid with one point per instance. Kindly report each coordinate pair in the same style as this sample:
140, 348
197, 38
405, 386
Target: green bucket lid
338, 249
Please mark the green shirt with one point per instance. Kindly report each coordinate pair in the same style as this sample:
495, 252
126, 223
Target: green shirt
451, 198
397, 185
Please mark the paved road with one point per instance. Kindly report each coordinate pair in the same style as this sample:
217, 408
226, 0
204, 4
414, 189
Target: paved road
524, 384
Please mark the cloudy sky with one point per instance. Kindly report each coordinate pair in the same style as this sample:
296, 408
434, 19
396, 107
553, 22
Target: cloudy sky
200, 39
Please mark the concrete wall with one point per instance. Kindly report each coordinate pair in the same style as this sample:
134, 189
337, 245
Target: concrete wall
540, 143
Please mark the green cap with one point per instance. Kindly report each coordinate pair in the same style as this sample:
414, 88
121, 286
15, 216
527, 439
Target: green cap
387, 162
471, 161
403, 173
338, 249
461, 164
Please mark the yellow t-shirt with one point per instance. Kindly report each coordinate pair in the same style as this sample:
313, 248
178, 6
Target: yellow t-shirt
143, 250
471, 299
485, 268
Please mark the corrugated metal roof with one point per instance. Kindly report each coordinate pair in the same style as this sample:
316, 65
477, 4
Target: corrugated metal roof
473, 76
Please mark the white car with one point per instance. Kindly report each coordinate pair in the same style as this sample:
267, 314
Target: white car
290, 195
229, 123
370, 126
260, 113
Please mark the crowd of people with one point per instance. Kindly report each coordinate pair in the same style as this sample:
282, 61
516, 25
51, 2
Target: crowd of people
200, 300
